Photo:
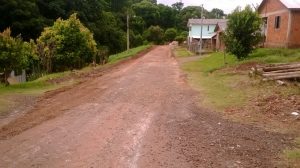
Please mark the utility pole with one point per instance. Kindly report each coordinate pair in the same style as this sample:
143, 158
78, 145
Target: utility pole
201, 40
128, 40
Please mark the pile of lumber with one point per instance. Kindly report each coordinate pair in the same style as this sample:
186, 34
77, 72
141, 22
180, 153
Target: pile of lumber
279, 71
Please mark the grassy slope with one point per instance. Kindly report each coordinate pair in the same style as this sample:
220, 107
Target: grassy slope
40, 86
182, 52
223, 88
127, 54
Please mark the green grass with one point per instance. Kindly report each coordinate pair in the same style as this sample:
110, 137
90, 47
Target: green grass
183, 52
277, 55
293, 155
37, 86
127, 54
224, 89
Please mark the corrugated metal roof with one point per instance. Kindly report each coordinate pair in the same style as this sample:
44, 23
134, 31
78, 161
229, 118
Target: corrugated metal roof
291, 4
205, 21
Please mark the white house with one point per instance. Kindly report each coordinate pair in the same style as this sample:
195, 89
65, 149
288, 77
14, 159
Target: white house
208, 31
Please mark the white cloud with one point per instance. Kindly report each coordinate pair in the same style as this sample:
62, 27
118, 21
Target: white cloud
226, 5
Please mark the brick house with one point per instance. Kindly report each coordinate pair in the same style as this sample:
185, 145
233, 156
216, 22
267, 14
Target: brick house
281, 23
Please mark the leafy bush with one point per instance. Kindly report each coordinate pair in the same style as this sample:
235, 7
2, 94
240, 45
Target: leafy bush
184, 34
14, 53
135, 39
180, 39
155, 34
243, 32
170, 34
66, 45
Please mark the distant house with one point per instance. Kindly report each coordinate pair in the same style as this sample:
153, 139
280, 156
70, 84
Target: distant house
208, 31
281, 23
217, 41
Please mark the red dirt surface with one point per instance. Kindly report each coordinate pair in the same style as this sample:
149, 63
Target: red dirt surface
140, 114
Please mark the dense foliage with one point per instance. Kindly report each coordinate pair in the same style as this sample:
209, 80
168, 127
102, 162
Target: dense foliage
105, 18
14, 53
98, 30
66, 45
170, 34
155, 34
243, 32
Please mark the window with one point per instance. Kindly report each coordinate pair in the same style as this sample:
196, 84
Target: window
277, 22
190, 28
208, 28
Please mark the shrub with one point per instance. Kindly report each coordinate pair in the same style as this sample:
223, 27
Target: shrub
14, 53
180, 39
243, 32
66, 45
154, 34
170, 34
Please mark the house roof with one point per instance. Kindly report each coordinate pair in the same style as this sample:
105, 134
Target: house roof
205, 21
222, 25
204, 37
290, 4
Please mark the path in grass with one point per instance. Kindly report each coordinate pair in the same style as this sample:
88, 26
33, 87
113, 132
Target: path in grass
141, 114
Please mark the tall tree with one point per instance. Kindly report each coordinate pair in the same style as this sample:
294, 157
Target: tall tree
22, 16
148, 11
167, 16
216, 13
178, 6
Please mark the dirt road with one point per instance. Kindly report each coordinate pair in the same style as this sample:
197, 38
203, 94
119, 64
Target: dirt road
142, 114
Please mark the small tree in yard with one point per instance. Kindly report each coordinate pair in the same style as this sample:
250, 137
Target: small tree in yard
14, 53
170, 34
66, 45
243, 32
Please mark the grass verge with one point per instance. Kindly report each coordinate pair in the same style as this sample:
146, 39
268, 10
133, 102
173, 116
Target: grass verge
223, 85
292, 156
183, 52
41, 85
127, 54
227, 87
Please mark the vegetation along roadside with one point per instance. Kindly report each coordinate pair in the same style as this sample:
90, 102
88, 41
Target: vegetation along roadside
227, 87
14, 98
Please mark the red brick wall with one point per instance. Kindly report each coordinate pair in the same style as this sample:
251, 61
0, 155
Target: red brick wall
275, 37
278, 37
295, 30
271, 6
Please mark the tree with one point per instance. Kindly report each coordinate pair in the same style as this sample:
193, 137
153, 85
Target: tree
243, 32
136, 39
178, 6
66, 45
148, 11
167, 16
14, 53
170, 34
216, 13
22, 16
190, 12
154, 34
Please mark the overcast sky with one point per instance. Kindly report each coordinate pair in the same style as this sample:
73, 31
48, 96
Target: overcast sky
225, 5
